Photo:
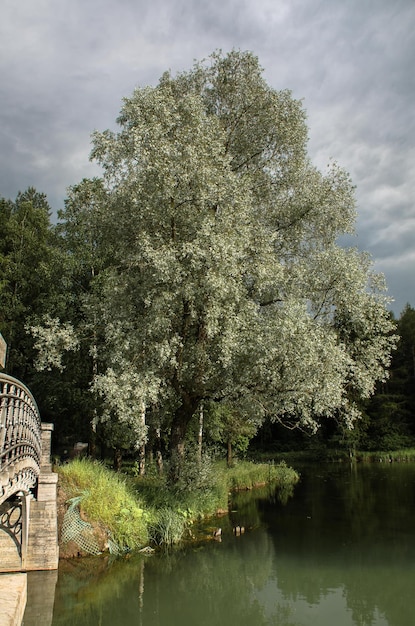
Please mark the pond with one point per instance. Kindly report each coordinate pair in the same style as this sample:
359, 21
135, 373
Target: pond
340, 551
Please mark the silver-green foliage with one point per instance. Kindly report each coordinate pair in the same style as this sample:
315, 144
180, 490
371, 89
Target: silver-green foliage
227, 281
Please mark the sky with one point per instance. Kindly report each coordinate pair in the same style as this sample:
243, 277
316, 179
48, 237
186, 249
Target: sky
65, 66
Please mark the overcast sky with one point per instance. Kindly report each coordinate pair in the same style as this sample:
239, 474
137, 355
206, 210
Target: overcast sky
65, 66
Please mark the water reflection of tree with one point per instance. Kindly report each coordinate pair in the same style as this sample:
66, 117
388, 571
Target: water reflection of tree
324, 544
246, 505
87, 587
214, 586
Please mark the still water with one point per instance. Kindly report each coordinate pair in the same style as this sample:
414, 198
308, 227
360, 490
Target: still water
339, 552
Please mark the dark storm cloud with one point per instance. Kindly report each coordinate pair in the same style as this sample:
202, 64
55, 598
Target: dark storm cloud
66, 65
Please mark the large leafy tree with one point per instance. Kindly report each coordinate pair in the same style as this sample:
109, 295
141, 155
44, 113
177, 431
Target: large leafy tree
226, 281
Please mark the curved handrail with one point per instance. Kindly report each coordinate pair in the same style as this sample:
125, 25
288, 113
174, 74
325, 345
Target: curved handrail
20, 435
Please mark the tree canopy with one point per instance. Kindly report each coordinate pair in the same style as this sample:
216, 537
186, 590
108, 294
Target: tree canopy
202, 268
226, 280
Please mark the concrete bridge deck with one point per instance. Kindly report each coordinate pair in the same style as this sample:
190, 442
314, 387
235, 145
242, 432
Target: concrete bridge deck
13, 595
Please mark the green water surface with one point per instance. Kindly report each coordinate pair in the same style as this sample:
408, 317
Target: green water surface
339, 552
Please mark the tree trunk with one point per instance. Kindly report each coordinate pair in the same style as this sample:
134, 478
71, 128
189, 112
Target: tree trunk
181, 420
159, 456
229, 459
94, 421
142, 460
92, 436
200, 435
142, 448
117, 459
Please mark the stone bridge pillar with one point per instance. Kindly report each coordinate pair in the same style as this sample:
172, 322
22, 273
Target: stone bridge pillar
42, 551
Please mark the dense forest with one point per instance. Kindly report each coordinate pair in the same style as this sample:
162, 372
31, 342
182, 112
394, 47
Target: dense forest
195, 296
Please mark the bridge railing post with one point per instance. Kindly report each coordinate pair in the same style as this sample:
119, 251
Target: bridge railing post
43, 549
46, 437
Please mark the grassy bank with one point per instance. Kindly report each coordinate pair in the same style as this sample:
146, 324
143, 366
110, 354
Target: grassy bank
107, 502
331, 455
133, 512
387, 456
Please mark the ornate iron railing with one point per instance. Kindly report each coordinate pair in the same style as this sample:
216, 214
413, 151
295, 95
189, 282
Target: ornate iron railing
20, 438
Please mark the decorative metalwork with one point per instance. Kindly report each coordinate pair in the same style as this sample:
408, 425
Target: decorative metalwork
11, 521
20, 438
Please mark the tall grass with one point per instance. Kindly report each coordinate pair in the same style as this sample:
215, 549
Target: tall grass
168, 528
405, 456
107, 500
246, 475
138, 510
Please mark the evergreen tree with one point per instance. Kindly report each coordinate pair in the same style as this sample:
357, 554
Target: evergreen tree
392, 409
26, 273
